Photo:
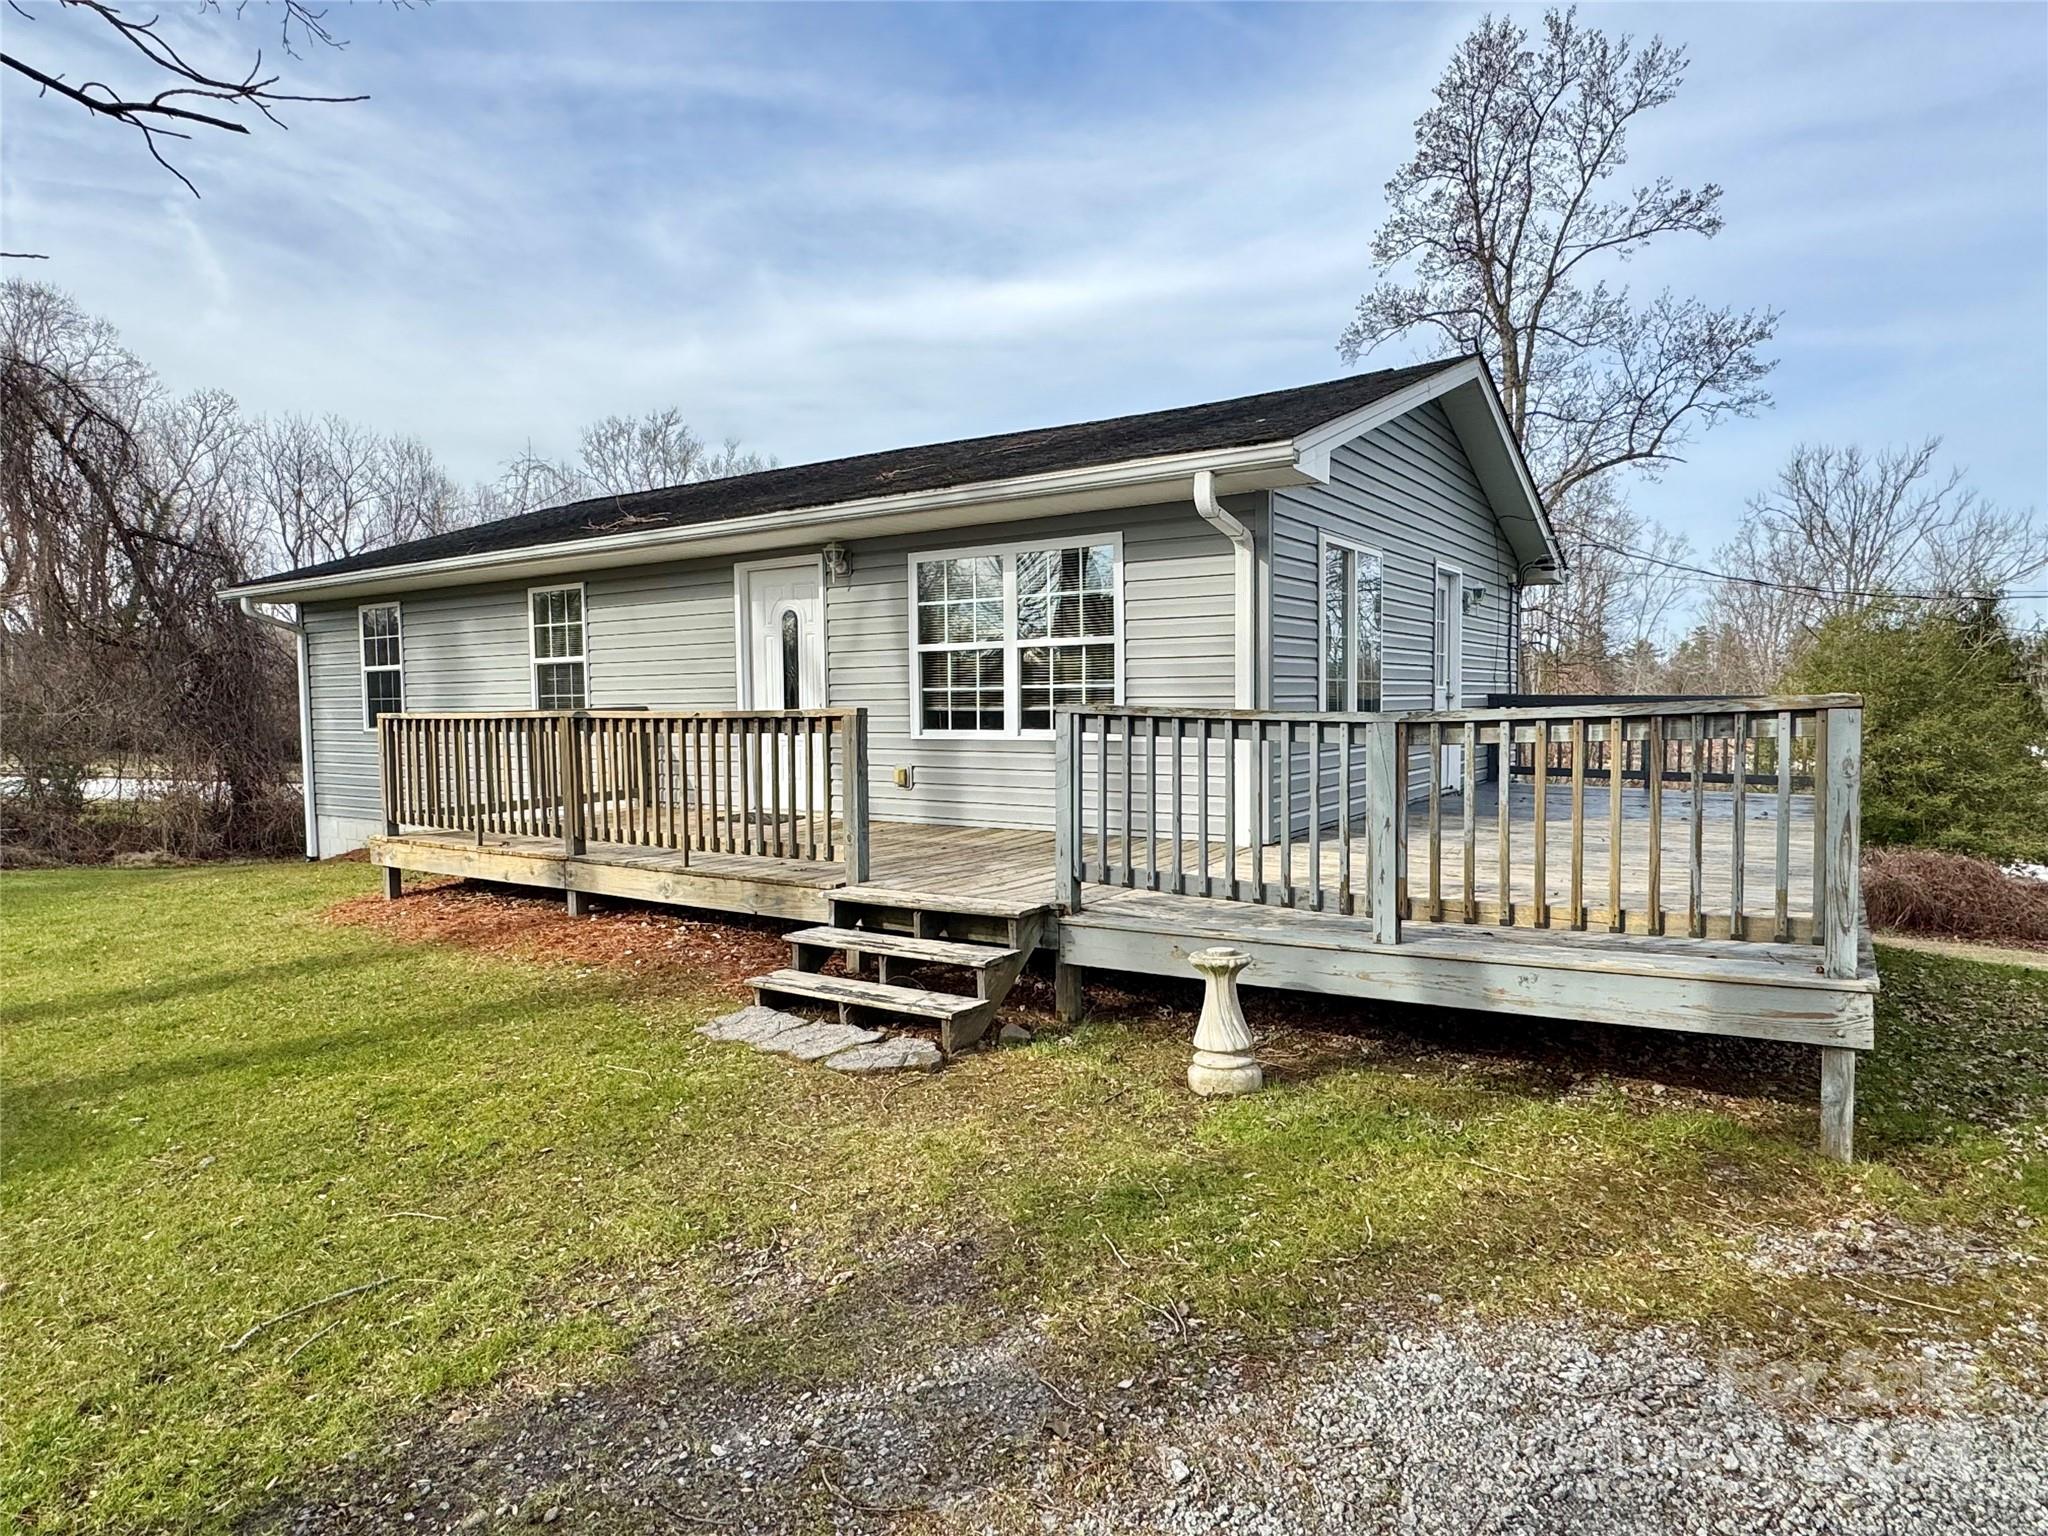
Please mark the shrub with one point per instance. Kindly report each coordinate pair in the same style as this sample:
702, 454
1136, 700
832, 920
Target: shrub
1955, 736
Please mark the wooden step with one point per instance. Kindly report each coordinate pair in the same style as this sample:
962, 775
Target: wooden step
961, 1020
902, 947
930, 901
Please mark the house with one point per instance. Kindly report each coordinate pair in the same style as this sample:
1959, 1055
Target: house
1235, 672
1066, 565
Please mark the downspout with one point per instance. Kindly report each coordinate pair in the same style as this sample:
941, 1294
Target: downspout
1251, 797
297, 629
1211, 510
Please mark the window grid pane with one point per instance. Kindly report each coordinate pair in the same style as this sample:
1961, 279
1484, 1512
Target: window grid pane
559, 685
1065, 602
1366, 600
1336, 627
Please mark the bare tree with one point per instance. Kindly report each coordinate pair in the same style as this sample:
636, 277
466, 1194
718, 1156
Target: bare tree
1498, 227
198, 96
1843, 531
1603, 630
1844, 528
327, 489
1501, 236
616, 457
121, 525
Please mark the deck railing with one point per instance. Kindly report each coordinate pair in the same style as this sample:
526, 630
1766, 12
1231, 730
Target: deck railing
1658, 772
1280, 809
784, 784
1323, 812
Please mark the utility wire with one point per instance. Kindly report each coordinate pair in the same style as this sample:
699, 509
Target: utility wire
1789, 586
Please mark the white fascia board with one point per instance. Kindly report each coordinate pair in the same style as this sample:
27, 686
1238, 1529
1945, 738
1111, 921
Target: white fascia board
1133, 483
1476, 415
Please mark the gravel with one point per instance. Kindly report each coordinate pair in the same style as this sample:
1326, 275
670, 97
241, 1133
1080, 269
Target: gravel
1521, 1428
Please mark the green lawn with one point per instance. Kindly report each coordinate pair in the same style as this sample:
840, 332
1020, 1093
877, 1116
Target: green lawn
220, 1106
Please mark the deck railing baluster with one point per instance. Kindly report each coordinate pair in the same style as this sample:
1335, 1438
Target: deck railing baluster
1504, 909
1781, 871
1738, 839
1230, 810
1695, 899
1345, 898
1578, 749
1539, 878
1315, 815
1287, 813
1436, 822
1468, 794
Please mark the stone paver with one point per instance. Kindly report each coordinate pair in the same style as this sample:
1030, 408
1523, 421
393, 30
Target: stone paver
814, 1042
900, 1053
843, 1047
752, 1025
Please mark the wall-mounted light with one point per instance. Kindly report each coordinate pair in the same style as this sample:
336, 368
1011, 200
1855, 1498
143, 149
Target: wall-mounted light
838, 565
1475, 594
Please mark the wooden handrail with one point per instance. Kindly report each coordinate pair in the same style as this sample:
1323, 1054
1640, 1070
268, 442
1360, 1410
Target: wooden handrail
786, 784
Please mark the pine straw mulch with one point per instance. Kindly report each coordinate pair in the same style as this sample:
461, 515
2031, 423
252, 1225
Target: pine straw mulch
654, 944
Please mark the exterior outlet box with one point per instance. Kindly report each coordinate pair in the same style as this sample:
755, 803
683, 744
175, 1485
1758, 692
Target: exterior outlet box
906, 778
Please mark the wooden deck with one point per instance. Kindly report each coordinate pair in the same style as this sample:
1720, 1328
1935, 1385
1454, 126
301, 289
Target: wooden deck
1688, 864
1769, 989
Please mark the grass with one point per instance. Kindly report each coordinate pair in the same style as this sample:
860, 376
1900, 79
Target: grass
220, 1106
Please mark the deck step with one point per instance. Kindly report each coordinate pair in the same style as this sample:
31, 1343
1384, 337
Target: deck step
931, 901
902, 947
961, 1020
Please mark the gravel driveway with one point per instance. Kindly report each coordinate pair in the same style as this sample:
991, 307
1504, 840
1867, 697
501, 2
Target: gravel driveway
1471, 1428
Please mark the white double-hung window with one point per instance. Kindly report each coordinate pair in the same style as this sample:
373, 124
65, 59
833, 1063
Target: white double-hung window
1000, 637
560, 672
383, 646
1352, 578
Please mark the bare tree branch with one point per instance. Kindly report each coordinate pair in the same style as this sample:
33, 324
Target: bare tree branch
165, 113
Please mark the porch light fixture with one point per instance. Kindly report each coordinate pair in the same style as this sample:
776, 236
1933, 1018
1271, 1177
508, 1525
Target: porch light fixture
837, 565
1475, 594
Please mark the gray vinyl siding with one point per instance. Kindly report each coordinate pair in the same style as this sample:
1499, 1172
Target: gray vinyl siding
1177, 619
663, 637
1407, 491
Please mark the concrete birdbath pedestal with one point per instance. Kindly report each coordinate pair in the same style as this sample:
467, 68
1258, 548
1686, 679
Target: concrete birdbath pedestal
1223, 1064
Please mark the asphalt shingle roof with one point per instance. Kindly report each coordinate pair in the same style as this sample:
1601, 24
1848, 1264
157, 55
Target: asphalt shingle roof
1242, 422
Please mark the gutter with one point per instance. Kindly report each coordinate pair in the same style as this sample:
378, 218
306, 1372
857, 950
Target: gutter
1244, 604
297, 630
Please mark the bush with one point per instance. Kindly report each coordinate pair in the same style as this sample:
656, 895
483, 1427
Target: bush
1955, 736
1952, 896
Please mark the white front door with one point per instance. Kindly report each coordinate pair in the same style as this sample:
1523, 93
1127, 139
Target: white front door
1450, 665
782, 657
782, 665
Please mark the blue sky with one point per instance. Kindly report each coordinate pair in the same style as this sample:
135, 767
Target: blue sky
827, 230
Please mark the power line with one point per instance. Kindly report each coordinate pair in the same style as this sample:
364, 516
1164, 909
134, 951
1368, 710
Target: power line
1789, 586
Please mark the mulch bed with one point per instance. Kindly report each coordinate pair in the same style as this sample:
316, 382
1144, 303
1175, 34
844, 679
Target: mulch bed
651, 942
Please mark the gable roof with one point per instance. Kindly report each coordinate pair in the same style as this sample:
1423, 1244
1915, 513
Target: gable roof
1006, 463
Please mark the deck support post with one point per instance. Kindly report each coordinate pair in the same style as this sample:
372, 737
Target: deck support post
579, 903
1067, 1001
1837, 1102
393, 882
